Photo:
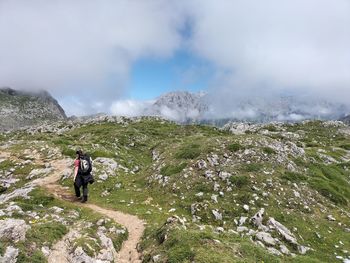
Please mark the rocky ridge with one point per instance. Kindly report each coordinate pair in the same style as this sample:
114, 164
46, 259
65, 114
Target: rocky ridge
20, 108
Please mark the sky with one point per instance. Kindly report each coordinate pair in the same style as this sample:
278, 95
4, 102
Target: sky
93, 54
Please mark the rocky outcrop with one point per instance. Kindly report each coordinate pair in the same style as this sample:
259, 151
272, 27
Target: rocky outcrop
19, 108
13, 229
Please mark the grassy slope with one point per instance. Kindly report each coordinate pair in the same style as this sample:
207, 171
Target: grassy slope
324, 188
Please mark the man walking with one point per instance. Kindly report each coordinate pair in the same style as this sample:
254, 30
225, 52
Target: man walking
82, 175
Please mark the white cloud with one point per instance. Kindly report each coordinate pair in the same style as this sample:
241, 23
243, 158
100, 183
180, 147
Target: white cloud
83, 48
270, 47
129, 108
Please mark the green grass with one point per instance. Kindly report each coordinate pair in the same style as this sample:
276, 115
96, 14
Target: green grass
269, 150
234, 147
294, 177
330, 181
190, 151
239, 180
46, 233
180, 147
252, 167
169, 170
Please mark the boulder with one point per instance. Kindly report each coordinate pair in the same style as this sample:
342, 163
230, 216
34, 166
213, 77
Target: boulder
282, 230
13, 229
266, 238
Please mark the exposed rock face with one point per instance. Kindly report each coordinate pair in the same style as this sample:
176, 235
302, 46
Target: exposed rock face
19, 108
179, 106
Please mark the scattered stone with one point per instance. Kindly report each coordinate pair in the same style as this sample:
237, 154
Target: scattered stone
224, 175
105, 193
220, 229
302, 249
201, 164
258, 218
200, 194
246, 208
241, 229
46, 251
56, 209
242, 220
214, 198
156, 258
217, 214
330, 218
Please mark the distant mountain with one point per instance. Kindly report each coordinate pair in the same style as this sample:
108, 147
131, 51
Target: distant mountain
21, 108
181, 106
346, 119
186, 107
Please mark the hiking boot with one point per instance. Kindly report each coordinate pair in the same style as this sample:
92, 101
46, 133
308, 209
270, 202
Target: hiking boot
84, 199
79, 198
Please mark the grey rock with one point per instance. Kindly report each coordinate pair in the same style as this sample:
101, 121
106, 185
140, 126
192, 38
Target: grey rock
10, 255
330, 218
258, 218
242, 220
217, 215
241, 229
282, 230
21, 192
79, 256
284, 250
266, 238
201, 164
13, 229
103, 177
303, 249
274, 251
246, 207
156, 258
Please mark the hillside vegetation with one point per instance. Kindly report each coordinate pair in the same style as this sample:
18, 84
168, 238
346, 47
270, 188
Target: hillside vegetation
245, 193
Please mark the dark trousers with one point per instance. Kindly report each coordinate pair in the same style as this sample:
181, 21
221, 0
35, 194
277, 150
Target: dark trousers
85, 190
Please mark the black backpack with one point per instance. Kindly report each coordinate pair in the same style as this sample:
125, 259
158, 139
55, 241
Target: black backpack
85, 166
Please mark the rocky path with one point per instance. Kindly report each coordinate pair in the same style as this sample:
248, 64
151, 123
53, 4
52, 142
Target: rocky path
135, 226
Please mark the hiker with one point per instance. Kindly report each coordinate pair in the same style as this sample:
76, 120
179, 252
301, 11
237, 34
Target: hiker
82, 174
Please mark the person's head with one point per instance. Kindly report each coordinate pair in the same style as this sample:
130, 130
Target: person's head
79, 153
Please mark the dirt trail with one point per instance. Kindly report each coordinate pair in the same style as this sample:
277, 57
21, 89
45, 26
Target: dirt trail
135, 226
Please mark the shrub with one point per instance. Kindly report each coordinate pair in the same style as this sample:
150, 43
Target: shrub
271, 128
293, 177
269, 150
101, 153
345, 146
252, 167
234, 147
239, 181
172, 169
328, 190
190, 151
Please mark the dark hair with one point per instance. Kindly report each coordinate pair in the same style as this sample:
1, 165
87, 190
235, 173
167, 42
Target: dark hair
79, 152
